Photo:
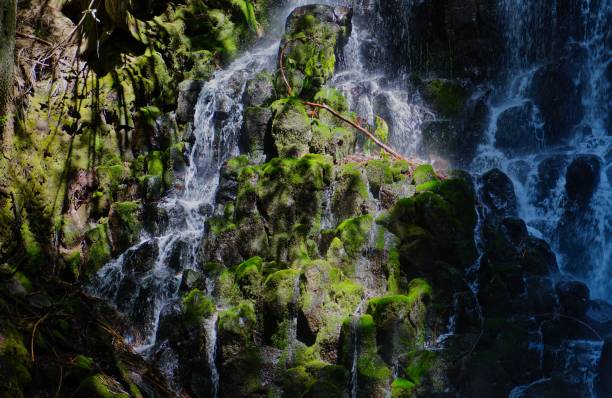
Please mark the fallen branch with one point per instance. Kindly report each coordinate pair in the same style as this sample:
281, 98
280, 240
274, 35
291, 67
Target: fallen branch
34, 335
370, 136
337, 114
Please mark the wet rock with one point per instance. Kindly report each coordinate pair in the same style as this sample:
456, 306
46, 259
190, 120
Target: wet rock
448, 140
192, 279
516, 130
498, 194
604, 385
582, 178
141, 259
256, 127
540, 295
291, 130
327, 29
550, 171
125, 221
259, 91
557, 96
573, 298
504, 239
538, 258
189, 91
599, 315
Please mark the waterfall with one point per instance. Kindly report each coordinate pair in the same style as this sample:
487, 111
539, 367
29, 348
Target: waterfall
211, 352
354, 329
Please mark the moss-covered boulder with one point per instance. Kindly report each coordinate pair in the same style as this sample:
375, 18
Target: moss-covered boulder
314, 35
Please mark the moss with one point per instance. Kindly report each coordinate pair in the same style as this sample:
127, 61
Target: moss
400, 305
16, 364
447, 97
280, 290
84, 362
155, 164
98, 249
423, 174
402, 388
291, 130
238, 321
196, 306
420, 364
332, 97
101, 386
354, 232
249, 277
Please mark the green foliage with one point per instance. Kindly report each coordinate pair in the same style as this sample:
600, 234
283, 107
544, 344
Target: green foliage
197, 306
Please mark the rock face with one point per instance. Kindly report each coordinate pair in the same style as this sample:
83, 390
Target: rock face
188, 92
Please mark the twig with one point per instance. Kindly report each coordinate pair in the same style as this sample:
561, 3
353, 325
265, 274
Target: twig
34, 335
61, 379
573, 319
27, 36
360, 128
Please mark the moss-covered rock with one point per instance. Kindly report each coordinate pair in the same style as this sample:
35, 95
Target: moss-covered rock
197, 306
314, 35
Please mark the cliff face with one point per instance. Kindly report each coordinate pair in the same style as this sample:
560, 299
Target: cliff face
244, 236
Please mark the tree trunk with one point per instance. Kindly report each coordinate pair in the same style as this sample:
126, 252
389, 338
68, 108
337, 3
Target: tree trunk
8, 12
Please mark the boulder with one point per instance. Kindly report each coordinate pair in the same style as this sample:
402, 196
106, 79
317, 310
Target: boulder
555, 92
189, 91
582, 178
315, 35
573, 298
604, 385
517, 132
497, 192
550, 171
259, 91
257, 124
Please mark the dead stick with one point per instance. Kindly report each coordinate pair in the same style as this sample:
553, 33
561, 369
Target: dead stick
371, 136
34, 335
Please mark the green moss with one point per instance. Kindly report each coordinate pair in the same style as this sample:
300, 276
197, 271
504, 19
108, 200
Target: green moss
400, 305
84, 362
402, 388
101, 386
98, 249
332, 97
155, 164
239, 320
423, 174
16, 360
196, 306
354, 232
447, 97
420, 364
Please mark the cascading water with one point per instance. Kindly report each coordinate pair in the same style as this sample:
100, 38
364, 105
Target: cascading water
557, 151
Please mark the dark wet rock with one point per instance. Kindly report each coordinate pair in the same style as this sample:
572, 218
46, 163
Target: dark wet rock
582, 178
540, 295
504, 239
556, 95
259, 91
125, 221
573, 297
141, 259
189, 91
599, 315
256, 128
550, 171
448, 140
192, 279
538, 258
516, 130
497, 192
604, 385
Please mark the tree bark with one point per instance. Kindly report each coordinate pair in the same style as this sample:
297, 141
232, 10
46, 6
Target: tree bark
8, 18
